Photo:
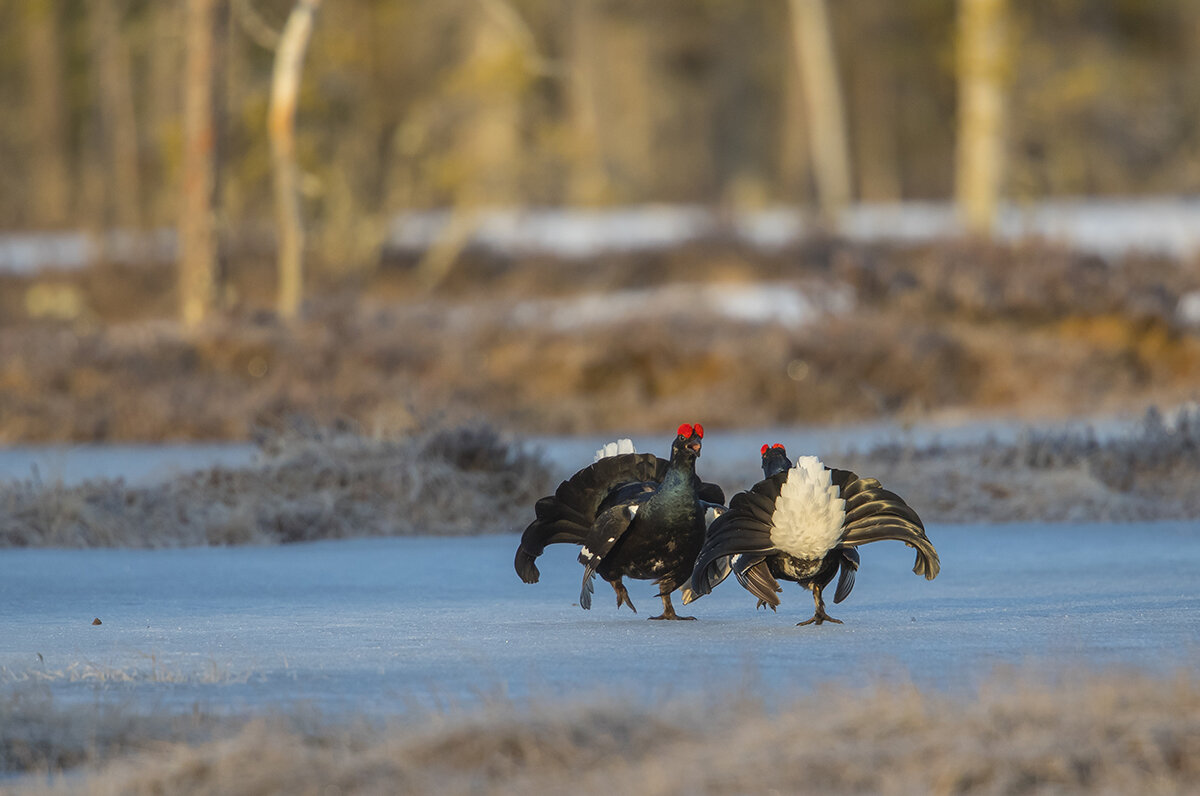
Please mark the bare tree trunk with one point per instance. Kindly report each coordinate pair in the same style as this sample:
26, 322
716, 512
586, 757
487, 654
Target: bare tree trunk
162, 106
281, 127
197, 212
982, 65
824, 110
588, 181
488, 143
50, 186
874, 102
795, 171
118, 122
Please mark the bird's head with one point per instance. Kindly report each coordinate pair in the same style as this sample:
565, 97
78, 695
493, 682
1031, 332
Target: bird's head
774, 459
687, 440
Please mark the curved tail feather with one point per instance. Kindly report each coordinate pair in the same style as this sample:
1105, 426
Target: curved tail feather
874, 514
927, 562
556, 523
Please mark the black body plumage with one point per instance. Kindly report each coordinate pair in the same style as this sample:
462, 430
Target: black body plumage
634, 515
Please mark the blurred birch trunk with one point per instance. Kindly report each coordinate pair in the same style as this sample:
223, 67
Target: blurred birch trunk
588, 180
812, 39
50, 186
281, 129
982, 69
204, 23
875, 104
118, 128
488, 150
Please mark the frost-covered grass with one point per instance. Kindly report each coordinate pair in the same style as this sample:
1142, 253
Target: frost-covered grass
1018, 733
1148, 472
308, 484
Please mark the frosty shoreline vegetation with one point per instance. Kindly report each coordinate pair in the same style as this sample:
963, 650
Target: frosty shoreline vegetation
310, 484
307, 484
1020, 733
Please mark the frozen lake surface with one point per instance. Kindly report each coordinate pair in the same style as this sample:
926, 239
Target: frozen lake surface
386, 626
137, 464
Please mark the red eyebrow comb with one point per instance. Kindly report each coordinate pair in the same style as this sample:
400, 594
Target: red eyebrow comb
685, 430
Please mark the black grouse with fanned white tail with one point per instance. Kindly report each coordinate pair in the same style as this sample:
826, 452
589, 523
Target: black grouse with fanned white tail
633, 514
801, 523
756, 577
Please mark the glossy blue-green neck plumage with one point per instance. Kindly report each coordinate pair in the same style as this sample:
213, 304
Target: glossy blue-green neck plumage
676, 496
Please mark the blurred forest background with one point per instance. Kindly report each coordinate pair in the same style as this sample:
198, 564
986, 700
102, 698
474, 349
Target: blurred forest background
414, 105
408, 105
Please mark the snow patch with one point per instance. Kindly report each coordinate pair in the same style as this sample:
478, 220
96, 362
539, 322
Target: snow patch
758, 303
1108, 227
1188, 309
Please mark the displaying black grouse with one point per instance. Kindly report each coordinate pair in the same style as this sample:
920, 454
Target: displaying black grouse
775, 460
801, 523
634, 514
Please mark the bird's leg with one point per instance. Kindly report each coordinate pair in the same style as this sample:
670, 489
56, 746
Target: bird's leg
668, 609
622, 594
819, 615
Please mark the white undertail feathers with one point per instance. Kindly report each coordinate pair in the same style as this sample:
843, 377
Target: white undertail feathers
623, 445
808, 513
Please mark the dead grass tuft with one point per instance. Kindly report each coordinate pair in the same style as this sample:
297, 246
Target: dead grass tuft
39, 737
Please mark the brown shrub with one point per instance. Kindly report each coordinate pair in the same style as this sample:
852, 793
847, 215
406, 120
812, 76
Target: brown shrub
947, 326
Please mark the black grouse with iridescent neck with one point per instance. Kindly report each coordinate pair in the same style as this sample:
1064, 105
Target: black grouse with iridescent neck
801, 523
634, 515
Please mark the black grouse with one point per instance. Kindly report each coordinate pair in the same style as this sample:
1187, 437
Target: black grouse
801, 523
634, 514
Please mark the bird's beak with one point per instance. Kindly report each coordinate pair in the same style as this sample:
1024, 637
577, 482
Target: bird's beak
693, 446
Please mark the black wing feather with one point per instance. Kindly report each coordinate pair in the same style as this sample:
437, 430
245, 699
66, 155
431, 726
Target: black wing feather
744, 529
849, 566
567, 515
757, 579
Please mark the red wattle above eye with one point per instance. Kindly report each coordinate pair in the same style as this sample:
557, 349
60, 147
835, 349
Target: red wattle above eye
765, 448
685, 430
699, 431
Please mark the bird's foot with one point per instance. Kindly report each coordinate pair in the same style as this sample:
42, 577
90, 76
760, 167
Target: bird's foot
669, 610
819, 617
673, 615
